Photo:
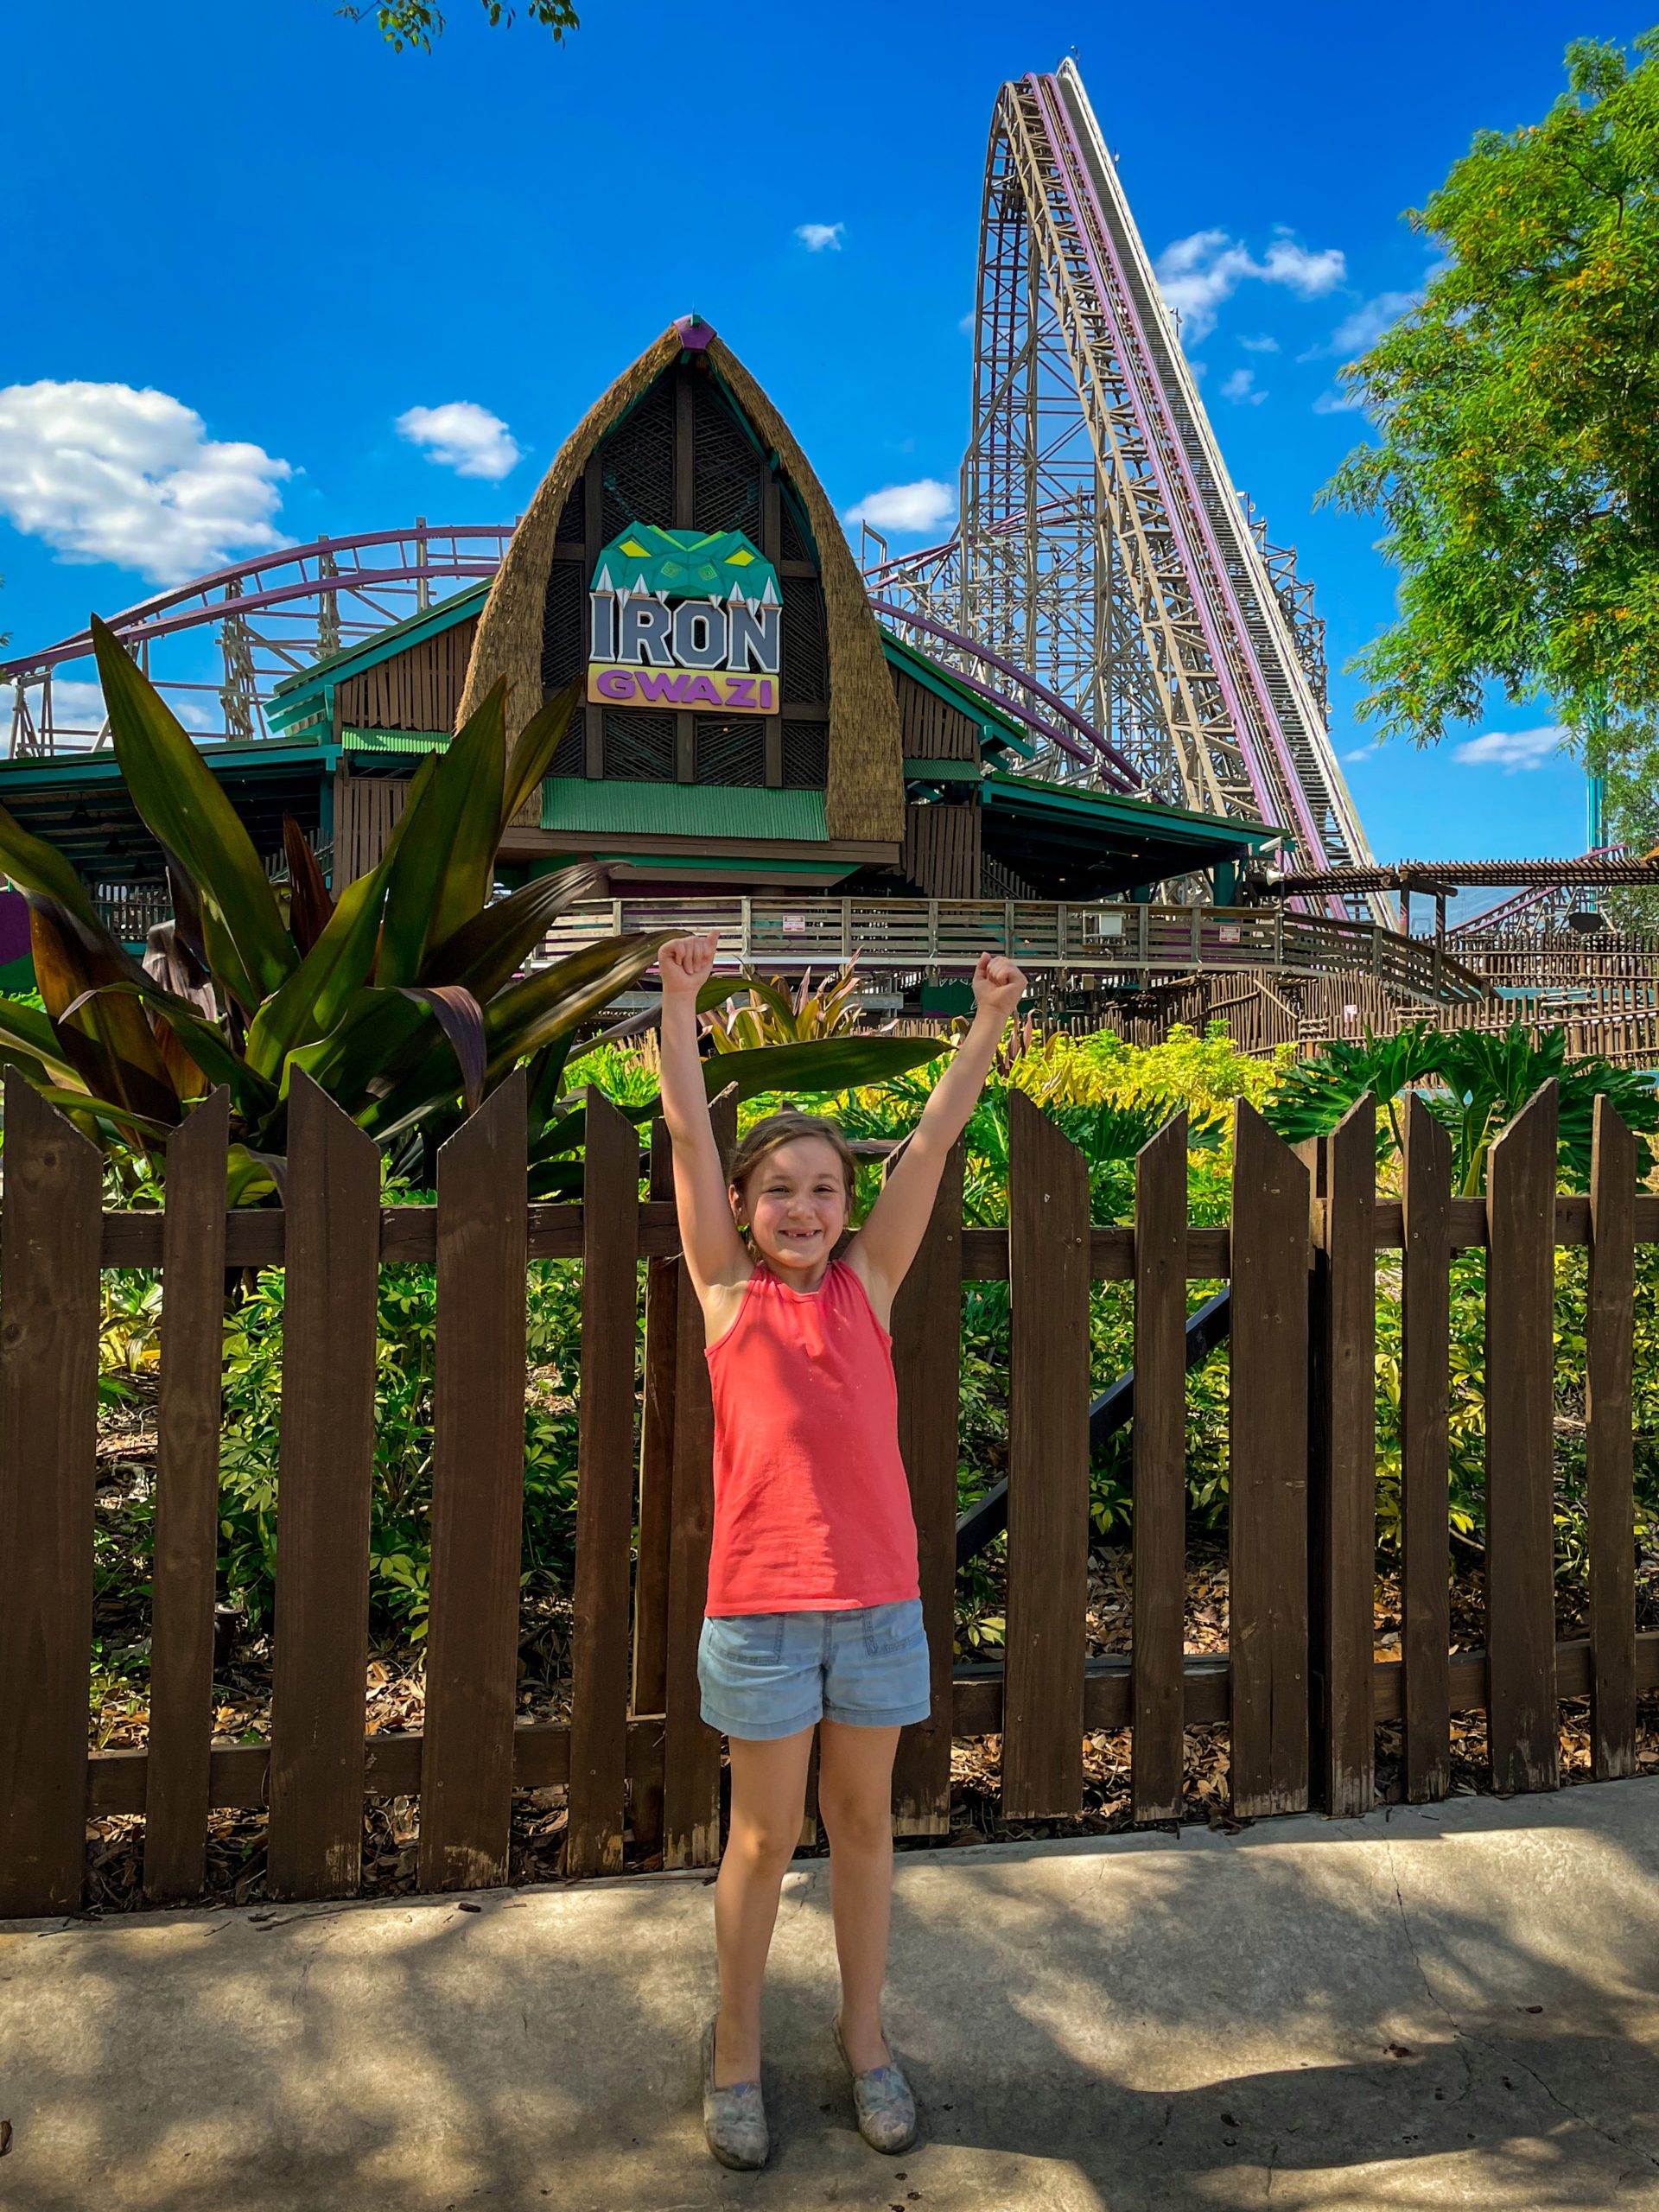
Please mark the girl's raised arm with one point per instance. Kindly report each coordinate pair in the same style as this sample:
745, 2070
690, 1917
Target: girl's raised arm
892, 1236
715, 1253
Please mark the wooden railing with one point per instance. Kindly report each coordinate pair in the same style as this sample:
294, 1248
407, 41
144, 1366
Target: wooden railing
1298, 1689
1118, 944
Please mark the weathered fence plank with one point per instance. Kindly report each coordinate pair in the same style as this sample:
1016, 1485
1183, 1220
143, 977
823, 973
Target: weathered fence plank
1268, 1497
1048, 1465
1425, 1493
656, 1493
691, 1753
185, 1561
1520, 1446
478, 1471
1160, 1473
1608, 1443
48, 1438
598, 1711
321, 1634
927, 1360
1346, 1458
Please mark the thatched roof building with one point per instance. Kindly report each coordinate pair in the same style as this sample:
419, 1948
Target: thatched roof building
686, 440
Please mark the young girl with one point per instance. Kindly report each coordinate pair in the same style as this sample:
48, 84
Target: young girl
814, 1611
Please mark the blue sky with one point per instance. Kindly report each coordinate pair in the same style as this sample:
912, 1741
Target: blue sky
294, 240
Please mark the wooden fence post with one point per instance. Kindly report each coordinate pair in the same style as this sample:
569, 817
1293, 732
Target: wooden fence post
320, 1638
49, 1238
1268, 1498
1160, 1478
927, 1362
690, 1749
478, 1483
655, 1495
1048, 1467
1342, 1461
599, 1709
1521, 1711
182, 1574
1425, 1489
1608, 1443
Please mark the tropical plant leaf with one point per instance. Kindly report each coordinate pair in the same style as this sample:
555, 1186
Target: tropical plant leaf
105, 1038
440, 876
183, 802
461, 1019
25, 1030
822, 1065
35, 866
309, 900
487, 952
532, 756
203, 1042
556, 998
314, 997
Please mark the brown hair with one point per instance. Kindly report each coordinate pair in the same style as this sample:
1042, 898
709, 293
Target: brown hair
785, 1129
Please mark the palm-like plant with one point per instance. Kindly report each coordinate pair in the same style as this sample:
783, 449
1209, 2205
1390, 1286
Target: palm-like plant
404, 996
777, 1015
1472, 1081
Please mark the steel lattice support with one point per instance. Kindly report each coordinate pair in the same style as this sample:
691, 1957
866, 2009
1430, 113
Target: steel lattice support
1101, 544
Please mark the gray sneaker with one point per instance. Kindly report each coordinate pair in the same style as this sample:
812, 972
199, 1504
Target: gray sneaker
883, 2101
734, 2118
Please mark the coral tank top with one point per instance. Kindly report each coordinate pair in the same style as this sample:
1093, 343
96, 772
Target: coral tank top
811, 1507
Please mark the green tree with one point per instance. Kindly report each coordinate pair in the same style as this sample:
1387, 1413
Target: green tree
1517, 469
415, 24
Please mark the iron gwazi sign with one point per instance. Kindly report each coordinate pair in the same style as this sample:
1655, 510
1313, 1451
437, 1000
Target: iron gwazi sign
684, 618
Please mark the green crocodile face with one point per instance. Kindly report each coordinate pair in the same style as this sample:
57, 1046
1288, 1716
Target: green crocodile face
718, 564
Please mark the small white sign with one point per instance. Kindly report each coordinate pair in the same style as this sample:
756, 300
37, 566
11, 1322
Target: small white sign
794, 925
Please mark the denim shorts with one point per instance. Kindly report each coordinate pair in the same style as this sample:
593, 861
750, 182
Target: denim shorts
771, 1674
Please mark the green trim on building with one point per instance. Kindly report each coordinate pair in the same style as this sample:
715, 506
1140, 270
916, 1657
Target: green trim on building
605, 807
394, 740
942, 772
1142, 816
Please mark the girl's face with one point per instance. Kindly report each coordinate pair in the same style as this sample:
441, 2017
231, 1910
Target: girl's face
794, 1204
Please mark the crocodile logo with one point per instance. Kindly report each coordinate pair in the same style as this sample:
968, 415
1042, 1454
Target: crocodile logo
684, 618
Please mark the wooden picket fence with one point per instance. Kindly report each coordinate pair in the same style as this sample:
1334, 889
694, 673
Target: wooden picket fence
1300, 1690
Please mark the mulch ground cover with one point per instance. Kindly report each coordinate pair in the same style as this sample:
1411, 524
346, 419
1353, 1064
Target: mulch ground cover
395, 1699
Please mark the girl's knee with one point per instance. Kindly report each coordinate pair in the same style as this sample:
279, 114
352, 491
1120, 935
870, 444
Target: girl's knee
761, 1842
861, 1825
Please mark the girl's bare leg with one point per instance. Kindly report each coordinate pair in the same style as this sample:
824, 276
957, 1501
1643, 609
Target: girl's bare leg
855, 1805
768, 1798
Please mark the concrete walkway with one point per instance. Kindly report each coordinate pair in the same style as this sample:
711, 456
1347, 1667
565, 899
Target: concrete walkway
1452, 2007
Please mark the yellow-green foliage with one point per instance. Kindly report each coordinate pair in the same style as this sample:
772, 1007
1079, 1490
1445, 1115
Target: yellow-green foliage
1203, 1073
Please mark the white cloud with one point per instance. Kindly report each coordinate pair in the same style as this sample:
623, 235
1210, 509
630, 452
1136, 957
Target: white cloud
1361, 329
1361, 752
968, 321
464, 436
815, 237
1337, 402
103, 472
906, 506
1511, 749
1240, 387
1262, 344
1196, 274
